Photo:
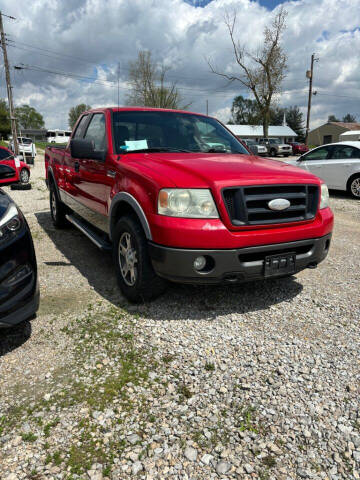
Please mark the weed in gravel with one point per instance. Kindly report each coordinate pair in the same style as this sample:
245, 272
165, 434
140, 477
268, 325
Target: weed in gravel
184, 392
269, 461
209, 367
168, 358
29, 437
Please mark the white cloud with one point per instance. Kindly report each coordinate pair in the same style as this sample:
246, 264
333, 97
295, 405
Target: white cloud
94, 36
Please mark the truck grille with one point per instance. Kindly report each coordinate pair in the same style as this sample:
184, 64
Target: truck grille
249, 205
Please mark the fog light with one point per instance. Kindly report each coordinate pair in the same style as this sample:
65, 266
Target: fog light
199, 263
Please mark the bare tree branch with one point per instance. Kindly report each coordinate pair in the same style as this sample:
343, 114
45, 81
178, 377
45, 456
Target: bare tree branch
262, 72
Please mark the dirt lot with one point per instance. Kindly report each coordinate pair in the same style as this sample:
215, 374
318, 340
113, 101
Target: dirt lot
253, 381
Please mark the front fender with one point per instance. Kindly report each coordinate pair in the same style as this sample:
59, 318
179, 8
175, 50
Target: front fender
130, 200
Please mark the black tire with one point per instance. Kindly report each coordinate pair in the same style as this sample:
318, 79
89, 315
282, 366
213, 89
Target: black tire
57, 209
286, 154
138, 283
24, 176
354, 186
273, 152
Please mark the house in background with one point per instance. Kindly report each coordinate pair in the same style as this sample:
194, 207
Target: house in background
351, 135
285, 133
330, 132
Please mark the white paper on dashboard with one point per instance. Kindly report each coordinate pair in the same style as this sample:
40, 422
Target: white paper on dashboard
136, 144
17, 162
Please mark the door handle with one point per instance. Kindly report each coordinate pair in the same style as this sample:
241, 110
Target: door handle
77, 166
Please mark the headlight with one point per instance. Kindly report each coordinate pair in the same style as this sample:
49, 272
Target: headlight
10, 222
188, 203
325, 200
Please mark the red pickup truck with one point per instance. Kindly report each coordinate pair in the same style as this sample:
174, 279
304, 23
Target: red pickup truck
177, 197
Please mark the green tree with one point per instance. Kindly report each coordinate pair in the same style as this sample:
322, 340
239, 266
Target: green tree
147, 84
28, 117
295, 120
349, 118
332, 118
75, 112
244, 111
5, 127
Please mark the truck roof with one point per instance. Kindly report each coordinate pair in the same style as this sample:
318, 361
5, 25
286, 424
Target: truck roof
142, 109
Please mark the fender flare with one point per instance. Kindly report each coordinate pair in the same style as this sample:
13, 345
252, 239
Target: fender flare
132, 202
51, 173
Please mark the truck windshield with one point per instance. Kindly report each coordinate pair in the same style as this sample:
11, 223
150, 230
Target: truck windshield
162, 131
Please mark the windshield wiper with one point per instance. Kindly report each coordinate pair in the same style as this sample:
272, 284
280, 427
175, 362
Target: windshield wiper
157, 149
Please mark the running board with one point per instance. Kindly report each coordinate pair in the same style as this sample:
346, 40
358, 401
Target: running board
90, 233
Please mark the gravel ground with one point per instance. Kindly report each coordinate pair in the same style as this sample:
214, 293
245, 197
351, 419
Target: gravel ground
258, 381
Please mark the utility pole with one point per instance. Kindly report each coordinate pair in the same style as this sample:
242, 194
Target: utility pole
207, 107
309, 75
9, 88
118, 84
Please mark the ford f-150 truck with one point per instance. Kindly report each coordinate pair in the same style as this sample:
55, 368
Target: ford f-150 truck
176, 197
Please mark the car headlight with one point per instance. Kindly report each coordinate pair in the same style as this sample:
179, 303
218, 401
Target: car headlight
11, 222
325, 199
188, 203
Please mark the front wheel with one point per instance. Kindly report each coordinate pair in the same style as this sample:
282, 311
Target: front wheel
354, 187
24, 176
273, 152
136, 277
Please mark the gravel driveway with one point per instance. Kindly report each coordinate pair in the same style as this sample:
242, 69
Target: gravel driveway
258, 381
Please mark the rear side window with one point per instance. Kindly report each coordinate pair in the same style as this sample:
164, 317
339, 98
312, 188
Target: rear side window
80, 129
344, 152
4, 154
96, 131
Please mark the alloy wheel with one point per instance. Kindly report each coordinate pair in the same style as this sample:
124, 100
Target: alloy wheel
355, 187
127, 259
24, 176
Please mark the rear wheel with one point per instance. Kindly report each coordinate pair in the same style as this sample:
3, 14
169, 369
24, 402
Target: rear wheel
354, 186
24, 176
57, 209
136, 277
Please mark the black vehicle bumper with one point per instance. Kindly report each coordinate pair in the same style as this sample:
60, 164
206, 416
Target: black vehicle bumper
235, 265
19, 289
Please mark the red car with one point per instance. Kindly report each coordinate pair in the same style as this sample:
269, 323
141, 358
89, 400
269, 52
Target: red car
22, 171
175, 196
298, 148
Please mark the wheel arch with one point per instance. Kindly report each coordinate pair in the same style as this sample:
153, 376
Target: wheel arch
351, 178
123, 203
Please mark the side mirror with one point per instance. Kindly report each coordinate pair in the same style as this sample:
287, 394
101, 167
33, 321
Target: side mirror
81, 148
7, 173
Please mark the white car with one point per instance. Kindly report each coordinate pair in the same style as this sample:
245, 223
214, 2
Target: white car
338, 164
27, 149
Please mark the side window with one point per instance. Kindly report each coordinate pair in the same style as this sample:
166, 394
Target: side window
96, 131
344, 152
79, 132
318, 154
4, 154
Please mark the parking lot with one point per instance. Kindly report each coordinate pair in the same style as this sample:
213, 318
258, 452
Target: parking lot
253, 381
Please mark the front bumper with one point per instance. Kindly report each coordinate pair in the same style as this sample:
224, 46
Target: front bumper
235, 265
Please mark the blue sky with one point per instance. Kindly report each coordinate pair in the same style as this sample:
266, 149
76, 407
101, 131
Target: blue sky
269, 4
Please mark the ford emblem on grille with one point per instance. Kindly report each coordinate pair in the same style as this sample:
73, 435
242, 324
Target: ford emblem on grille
279, 204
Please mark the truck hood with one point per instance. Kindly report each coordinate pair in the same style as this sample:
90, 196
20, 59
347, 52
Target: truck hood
201, 170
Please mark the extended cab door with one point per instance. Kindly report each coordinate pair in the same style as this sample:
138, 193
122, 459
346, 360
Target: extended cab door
93, 182
70, 168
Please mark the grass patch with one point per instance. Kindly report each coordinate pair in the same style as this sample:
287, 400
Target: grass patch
184, 392
29, 437
269, 461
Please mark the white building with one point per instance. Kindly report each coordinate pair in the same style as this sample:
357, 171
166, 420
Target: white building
351, 135
256, 132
